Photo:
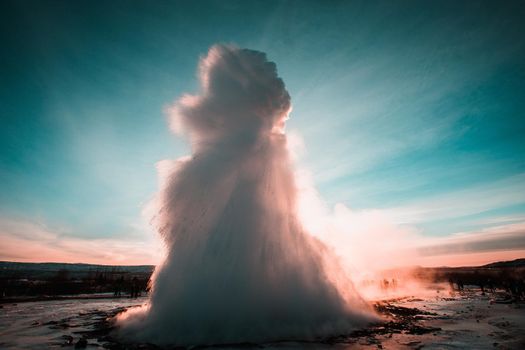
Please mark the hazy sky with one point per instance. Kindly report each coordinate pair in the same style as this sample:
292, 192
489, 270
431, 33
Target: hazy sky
415, 109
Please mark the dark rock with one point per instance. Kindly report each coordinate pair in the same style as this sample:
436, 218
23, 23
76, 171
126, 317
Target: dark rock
68, 339
81, 343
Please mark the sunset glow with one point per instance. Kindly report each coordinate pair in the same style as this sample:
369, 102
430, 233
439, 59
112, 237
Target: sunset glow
405, 136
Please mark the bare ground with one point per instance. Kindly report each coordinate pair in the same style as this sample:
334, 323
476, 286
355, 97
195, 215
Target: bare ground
467, 320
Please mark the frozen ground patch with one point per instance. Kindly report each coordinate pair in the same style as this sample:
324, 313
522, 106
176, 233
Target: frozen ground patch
461, 321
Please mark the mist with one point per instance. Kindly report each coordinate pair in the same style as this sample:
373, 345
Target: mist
239, 265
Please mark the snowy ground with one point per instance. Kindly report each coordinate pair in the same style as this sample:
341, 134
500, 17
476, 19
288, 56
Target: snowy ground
53, 324
467, 320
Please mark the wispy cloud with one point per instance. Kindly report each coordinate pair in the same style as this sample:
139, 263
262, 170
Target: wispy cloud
471, 200
368, 240
500, 220
364, 110
27, 240
506, 242
499, 238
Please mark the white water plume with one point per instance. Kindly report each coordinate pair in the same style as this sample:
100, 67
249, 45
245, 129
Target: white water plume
239, 266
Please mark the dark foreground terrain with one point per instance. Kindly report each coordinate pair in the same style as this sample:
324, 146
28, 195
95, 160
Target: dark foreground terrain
464, 319
470, 307
51, 281
38, 281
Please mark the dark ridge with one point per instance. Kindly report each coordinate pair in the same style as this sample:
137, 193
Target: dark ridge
44, 270
503, 264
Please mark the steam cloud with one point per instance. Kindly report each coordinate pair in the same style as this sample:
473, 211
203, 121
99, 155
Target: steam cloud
239, 266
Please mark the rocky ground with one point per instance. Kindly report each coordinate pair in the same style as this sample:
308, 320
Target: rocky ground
466, 320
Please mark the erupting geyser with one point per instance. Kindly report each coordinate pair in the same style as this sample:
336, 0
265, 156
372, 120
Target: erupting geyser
239, 266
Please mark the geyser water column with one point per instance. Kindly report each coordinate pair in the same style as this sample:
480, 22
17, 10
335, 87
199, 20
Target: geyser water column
240, 266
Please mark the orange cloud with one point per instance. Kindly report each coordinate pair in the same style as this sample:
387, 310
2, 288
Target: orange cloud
34, 242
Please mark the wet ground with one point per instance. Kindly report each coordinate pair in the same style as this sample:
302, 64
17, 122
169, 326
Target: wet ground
467, 320
54, 324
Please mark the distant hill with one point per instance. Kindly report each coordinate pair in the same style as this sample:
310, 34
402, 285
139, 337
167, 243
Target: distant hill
9, 269
503, 264
36, 271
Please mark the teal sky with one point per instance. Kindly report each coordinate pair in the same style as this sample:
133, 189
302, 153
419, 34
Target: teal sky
416, 108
